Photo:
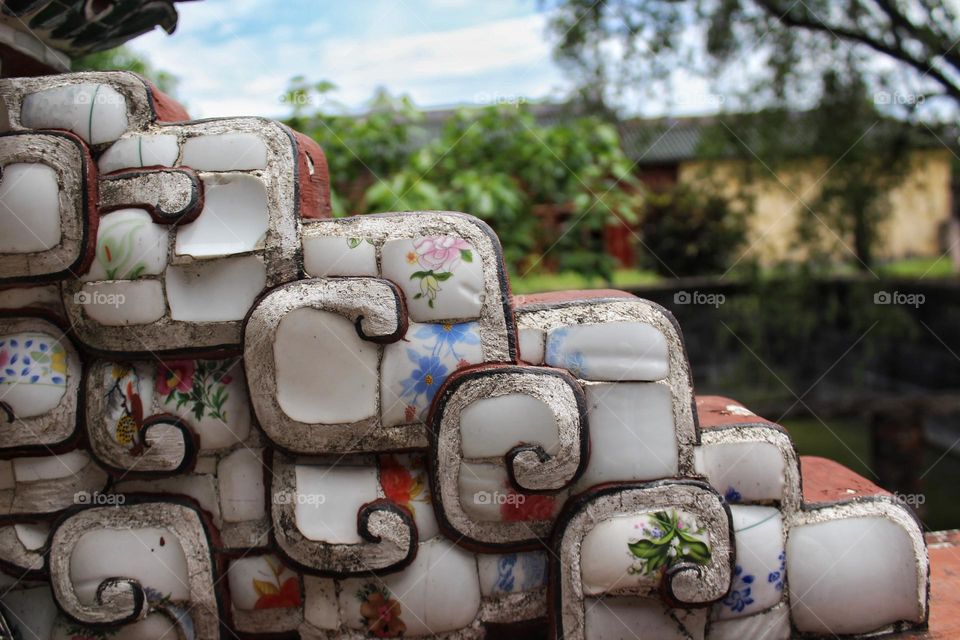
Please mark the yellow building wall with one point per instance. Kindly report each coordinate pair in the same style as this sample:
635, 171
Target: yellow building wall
920, 206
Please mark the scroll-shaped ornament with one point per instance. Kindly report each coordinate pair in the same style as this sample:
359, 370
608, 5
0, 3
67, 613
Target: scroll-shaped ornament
669, 539
114, 566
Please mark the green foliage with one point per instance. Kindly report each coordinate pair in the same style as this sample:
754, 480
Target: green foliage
496, 162
124, 59
690, 232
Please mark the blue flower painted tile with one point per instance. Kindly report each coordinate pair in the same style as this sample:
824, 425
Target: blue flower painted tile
33, 373
414, 368
760, 574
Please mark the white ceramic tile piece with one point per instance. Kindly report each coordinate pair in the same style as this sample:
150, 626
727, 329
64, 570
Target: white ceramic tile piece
615, 552
150, 555
632, 434
325, 372
641, 619
44, 296
52, 467
33, 372
225, 152
615, 351
222, 417
201, 488
438, 592
320, 607
743, 471
129, 245
442, 276
492, 426
842, 569
234, 219
773, 624
32, 536
486, 496
533, 344
328, 499
331, 256
120, 303
415, 367
29, 208
404, 480
262, 582
760, 572
95, 112
220, 290
140, 150
240, 475
512, 572
32, 612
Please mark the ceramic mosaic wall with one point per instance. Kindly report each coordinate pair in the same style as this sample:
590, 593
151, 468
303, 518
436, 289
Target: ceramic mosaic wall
225, 414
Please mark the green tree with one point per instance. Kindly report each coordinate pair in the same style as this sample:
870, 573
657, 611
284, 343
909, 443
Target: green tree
124, 59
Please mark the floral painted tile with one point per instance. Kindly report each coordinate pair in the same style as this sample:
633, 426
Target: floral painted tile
633, 550
129, 245
512, 572
760, 573
33, 373
404, 480
210, 395
415, 367
442, 276
263, 582
129, 399
486, 495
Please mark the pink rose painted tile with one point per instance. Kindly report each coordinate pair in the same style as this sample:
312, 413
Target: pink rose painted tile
441, 276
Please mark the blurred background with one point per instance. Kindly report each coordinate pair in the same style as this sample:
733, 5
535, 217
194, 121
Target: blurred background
780, 175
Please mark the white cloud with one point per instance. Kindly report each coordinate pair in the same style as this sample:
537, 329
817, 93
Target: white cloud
247, 74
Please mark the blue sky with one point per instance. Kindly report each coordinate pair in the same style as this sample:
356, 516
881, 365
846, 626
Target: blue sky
235, 57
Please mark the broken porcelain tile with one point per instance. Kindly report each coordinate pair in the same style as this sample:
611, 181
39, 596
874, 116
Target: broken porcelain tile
234, 219
259, 582
512, 572
215, 291
150, 555
333, 256
122, 302
33, 372
414, 369
405, 481
532, 345
615, 351
439, 592
760, 573
210, 395
493, 426
224, 152
632, 433
328, 499
140, 150
240, 476
30, 210
641, 619
129, 245
95, 112
773, 624
439, 274
344, 388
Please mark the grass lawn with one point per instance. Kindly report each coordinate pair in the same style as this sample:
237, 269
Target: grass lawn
941, 267
538, 282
